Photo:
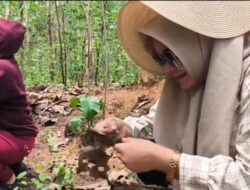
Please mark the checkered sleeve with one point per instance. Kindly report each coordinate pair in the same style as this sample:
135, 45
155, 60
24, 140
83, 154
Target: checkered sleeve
222, 172
142, 126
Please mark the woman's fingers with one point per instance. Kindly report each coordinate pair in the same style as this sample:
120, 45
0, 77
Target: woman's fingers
127, 139
106, 126
118, 147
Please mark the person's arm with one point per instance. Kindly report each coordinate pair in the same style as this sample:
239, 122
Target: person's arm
142, 127
222, 172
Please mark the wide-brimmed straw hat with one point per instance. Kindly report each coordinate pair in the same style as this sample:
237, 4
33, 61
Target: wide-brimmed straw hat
216, 19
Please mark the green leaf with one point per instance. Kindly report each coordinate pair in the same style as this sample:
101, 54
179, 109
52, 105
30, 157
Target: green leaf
90, 107
22, 175
74, 102
56, 171
43, 177
74, 124
35, 181
46, 188
38, 184
58, 187
24, 183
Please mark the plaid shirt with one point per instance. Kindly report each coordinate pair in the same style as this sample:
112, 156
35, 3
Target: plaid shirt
220, 172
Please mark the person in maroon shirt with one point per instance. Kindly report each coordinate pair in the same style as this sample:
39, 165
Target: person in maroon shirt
17, 130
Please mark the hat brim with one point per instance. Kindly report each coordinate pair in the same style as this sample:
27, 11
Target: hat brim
216, 19
229, 19
128, 26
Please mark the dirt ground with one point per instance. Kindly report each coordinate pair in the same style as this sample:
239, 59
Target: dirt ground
119, 103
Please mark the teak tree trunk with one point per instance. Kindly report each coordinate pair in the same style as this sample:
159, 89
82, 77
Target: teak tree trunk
50, 43
8, 10
89, 37
61, 46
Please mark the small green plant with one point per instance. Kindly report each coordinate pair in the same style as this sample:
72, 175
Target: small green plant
64, 176
21, 180
74, 125
90, 107
41, 181
63, 179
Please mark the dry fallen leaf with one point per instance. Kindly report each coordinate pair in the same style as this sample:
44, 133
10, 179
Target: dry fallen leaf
58, 109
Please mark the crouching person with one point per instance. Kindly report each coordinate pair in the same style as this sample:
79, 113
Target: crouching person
17, 130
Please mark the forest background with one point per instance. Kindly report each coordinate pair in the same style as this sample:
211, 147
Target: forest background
72, 43
71, 51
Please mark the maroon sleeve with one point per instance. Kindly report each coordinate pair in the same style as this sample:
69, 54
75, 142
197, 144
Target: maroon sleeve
14, 110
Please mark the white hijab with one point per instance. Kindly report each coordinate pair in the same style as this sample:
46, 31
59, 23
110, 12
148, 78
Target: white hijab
199, 121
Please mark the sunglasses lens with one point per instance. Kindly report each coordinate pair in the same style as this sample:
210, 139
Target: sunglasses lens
177, 62
158, 59
167, 57
172, 58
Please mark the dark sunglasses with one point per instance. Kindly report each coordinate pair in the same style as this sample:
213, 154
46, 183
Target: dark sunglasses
167, 57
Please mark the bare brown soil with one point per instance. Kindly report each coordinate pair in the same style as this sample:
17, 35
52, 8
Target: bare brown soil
119, 103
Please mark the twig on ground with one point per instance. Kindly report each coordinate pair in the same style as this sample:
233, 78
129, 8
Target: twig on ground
51, 105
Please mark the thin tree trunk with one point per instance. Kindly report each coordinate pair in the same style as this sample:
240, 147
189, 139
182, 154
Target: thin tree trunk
50, 40
89, 58
105, 34
54, 37
8, 11
89, 49
60, 43
26, 22
97, 49
82, 70
64, 46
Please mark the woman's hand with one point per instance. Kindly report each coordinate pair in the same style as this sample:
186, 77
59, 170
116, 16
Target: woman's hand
114, 124
141, 155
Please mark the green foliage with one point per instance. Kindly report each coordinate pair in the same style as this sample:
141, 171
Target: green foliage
128, 79
43, 177
35, 58
21, 180
74, 125
64, 175
90, 106
33, 77
74, 101
124, 75
22, 175
63, 178
40, 183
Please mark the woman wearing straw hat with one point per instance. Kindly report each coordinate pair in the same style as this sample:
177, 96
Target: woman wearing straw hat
202, 121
